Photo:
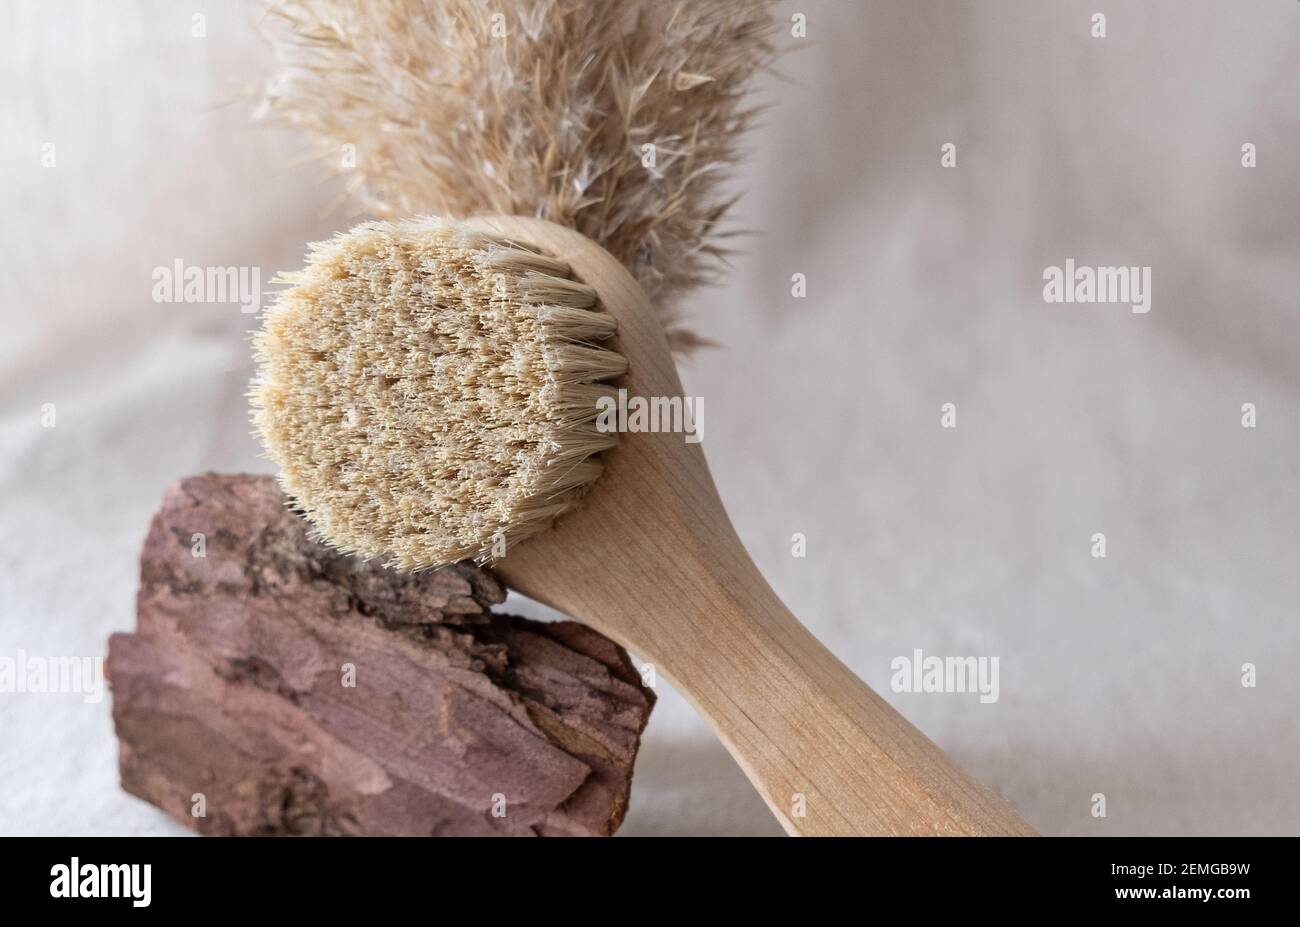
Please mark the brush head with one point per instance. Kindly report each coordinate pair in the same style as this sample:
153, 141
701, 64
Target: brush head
430, 391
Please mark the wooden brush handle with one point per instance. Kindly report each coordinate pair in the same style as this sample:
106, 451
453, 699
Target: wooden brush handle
651, 560
828, 754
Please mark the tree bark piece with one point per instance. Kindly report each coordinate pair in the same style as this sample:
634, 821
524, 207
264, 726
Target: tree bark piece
233, 697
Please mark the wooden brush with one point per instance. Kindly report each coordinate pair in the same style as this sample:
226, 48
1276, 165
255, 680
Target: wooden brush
430, 392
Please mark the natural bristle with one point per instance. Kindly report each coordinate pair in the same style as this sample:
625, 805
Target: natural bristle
430, 393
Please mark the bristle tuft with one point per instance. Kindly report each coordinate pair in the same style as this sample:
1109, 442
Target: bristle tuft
430, 393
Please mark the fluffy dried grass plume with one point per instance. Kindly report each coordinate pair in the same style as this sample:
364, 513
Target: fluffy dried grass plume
538, 108
431, 392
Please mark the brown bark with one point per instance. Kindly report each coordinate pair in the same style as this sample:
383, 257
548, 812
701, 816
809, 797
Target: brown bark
234, 687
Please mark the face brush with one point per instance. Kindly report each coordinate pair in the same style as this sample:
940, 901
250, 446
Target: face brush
430, 393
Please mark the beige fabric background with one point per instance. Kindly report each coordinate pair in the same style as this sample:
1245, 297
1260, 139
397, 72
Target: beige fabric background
1118, 676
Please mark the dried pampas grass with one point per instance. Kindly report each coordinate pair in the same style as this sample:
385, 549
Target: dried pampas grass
539, 108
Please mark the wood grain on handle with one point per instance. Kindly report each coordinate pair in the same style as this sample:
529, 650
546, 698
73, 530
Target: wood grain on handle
651, 559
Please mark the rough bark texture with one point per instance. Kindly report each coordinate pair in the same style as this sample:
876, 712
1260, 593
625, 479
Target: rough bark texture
234, 686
